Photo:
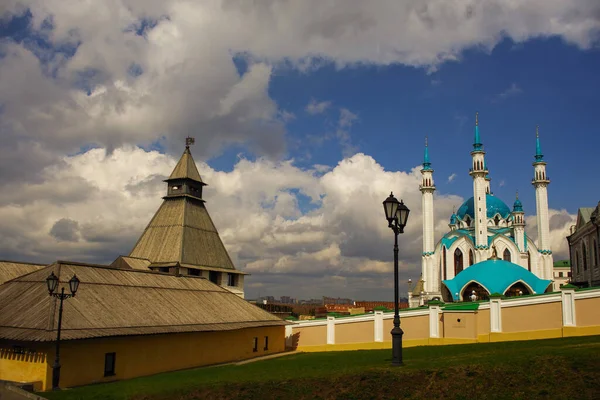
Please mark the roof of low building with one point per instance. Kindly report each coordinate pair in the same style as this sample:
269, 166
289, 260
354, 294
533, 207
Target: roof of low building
13, 269
583, 216
496, 276
562, 264
116, 302
131, 263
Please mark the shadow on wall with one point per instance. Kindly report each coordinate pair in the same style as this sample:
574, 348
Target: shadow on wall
291, 342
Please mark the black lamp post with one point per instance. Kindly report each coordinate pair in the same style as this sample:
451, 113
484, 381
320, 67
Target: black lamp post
397, 214
52, 282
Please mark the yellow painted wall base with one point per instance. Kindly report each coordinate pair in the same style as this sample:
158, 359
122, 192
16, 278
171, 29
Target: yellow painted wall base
527, 335
581, 331
486, 338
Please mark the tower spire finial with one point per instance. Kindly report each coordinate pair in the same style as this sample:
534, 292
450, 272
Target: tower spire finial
189, 141
426, 162
477, 143
517, 194
538, 148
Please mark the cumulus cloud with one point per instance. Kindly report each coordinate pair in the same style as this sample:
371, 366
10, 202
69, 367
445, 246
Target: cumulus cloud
100, 80
560, 224
452, 177
314, 107
340, 246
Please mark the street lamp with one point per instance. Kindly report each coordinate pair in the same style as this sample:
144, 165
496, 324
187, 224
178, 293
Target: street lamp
52, 282
396, 214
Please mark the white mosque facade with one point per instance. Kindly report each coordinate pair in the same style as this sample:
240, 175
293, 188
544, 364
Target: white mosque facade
486, 251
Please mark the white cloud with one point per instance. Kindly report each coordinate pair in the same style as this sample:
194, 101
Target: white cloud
95, 203
511, 91
314, 107
451, 177
342, 246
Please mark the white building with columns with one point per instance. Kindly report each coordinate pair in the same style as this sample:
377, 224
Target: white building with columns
486, 238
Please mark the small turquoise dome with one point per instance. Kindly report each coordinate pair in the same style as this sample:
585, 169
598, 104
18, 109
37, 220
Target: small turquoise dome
453, 219
517, 206
496, 276
494, 206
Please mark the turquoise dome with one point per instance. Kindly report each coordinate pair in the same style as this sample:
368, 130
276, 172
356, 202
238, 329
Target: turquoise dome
518, 206
453, 219
494, 206
496, 276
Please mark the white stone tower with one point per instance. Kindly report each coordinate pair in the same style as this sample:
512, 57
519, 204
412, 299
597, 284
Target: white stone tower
519, 224
427, 187
480, 186
540, 182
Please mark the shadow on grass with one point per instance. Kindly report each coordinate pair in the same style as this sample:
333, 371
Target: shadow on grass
503, 370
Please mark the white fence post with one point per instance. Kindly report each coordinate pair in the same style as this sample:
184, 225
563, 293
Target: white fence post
495, 314
567, 293
434, 319
289, 336
378, 326
330, 330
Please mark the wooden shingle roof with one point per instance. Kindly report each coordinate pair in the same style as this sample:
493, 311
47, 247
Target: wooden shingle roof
13, 269
186, 168
115, 302
182, 231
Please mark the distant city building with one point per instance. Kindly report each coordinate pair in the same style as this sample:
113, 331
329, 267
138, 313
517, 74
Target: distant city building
562, 274
487, 242
334, 300
583, 247
287, 300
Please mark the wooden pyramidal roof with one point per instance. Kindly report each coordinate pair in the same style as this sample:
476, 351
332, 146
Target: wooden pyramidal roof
182, 231
186, 168
115, 302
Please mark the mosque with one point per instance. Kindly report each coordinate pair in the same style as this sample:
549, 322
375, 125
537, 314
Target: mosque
486, 251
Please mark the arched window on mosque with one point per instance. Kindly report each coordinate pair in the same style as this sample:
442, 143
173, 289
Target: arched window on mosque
577, 262
497, 220
518, 289
458, 261
480, 292
595, 253
470, 257
529, 262
444, 261
506, 255
584, 256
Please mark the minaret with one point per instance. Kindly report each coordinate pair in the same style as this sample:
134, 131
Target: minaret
488, 189
519, 224
427, 188
478, 171
540, 181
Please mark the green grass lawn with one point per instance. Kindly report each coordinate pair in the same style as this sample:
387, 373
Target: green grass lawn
543, 369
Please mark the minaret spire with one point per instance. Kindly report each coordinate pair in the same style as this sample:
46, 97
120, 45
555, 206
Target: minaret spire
426, 163
518, 224
480, 190
540, 182
428, 264
477, 142
538, 148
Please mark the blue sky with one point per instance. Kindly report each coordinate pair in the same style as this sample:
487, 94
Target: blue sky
95, 104
514, 87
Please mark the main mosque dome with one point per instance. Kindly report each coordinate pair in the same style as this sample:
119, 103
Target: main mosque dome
493, 206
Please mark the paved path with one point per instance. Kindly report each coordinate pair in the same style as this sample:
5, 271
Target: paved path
285, 353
